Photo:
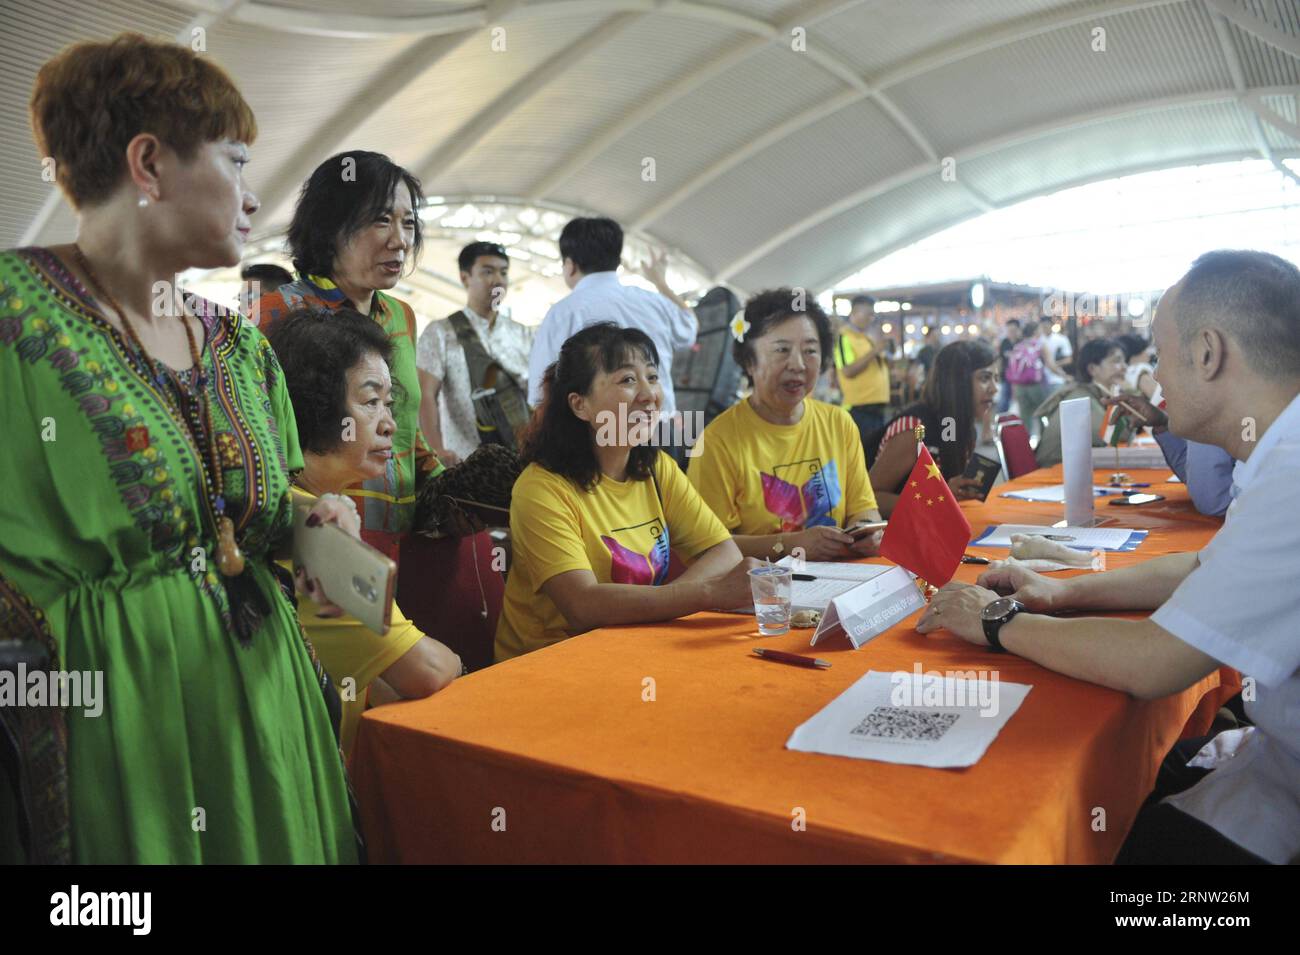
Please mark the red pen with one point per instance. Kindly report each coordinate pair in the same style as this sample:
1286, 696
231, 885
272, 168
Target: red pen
793, 659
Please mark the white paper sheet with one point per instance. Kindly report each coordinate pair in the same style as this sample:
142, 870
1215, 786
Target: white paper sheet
833, 578
1080, 538
816, 594
918, 719
1055, 493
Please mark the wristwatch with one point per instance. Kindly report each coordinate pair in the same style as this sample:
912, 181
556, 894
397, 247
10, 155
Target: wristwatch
997, 614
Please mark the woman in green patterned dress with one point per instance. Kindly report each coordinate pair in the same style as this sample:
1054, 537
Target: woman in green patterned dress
154, 437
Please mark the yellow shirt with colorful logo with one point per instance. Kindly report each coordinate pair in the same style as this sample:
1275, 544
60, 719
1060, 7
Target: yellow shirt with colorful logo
621, 531
871, 385
764, 478
353, 655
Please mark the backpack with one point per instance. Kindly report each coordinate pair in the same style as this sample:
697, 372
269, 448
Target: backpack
1025, 363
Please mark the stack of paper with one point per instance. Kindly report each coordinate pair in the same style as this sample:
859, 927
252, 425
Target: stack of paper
830, 580
1133, 457
1079, 538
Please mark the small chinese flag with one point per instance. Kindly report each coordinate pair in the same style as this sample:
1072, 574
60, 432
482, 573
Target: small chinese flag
927, 532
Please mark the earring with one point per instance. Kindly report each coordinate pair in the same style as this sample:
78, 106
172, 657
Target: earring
143, 203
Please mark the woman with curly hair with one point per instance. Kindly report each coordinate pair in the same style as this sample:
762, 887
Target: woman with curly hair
336, 368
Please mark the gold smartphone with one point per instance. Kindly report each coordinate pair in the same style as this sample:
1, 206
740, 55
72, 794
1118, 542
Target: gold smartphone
355, 576
859, 531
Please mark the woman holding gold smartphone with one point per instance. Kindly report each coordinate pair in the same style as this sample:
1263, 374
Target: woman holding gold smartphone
336, 370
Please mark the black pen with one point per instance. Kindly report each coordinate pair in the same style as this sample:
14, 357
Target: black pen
971, 559
803, 577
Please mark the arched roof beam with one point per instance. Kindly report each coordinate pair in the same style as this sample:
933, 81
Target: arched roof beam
1013, 138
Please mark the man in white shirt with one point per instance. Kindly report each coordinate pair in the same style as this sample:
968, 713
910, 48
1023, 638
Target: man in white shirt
1229, 339
447, 415
591, 250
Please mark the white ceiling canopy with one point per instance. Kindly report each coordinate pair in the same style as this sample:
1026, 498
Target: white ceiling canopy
767, 142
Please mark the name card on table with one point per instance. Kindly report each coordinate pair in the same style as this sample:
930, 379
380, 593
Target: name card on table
871, 608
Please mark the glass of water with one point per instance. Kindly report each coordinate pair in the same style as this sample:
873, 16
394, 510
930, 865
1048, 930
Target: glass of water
770, 587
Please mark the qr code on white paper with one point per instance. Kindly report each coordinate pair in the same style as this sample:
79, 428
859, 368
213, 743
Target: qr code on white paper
905, 723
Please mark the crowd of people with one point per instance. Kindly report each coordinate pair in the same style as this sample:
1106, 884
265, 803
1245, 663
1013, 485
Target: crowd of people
152, 539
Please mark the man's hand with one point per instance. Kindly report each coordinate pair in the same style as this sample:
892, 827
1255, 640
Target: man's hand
656, 270
1147, 414
956, 608
1038, 593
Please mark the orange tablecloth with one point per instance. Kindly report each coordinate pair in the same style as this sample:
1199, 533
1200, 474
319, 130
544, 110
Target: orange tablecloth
558, 756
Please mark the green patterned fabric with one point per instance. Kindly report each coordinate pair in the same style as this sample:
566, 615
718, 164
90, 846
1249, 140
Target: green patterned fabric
205, 750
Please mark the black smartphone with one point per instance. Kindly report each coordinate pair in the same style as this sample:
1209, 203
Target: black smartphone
1135, 499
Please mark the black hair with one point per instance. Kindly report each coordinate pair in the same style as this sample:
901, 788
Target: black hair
269, 277
1255, 296
1013, 321
948, 392
1132, 344
470, 254
316, 348
1094, 353
866, 300
343, 195
594, 245
772, 307
1048, 319
556, 438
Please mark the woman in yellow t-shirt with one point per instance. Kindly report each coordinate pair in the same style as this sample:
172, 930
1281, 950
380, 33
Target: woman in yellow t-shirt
336, 370
781, 469
598, 508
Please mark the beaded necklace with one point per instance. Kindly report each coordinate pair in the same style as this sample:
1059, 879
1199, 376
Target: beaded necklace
230, 560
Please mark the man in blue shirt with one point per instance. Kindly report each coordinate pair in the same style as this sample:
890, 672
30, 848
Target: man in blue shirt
1204, 468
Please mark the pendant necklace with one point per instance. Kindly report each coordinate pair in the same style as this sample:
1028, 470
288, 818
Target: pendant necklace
230, 560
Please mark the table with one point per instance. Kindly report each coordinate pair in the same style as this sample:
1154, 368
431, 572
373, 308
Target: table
562, 756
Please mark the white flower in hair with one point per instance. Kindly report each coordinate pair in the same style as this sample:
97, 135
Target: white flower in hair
739, 327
